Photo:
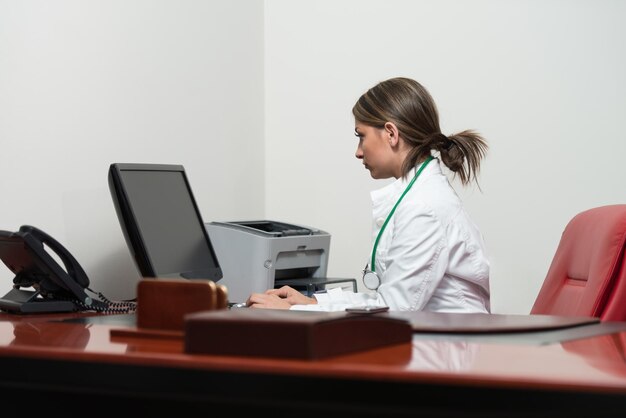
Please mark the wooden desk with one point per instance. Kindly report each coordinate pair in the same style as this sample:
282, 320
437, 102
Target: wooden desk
52, 365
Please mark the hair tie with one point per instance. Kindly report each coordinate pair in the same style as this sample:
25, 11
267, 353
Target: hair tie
441, 140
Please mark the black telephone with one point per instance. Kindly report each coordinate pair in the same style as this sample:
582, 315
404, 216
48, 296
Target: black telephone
54, 289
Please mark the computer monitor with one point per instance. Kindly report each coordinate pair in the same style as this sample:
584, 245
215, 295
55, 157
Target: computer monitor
161, 222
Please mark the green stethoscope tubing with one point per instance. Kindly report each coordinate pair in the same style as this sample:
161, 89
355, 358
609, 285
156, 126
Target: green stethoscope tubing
380, 233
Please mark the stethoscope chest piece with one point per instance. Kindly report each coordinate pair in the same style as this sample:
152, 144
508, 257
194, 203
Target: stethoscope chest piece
371, 279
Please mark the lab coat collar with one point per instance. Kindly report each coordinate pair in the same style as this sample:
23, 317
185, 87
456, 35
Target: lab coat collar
381, 196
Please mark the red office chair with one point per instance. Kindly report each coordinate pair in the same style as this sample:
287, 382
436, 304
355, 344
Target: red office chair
587, 276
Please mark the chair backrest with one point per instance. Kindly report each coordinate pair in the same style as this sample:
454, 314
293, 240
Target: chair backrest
587, 276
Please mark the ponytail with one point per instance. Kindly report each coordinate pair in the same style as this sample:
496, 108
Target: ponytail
462, 154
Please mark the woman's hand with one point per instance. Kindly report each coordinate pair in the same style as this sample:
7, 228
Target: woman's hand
282, 298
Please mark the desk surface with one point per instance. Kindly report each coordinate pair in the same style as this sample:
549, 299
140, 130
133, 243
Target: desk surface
46, 351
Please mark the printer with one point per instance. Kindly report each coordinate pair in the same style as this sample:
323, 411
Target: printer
260, 255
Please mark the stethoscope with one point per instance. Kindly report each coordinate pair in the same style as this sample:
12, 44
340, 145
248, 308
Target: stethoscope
371, 280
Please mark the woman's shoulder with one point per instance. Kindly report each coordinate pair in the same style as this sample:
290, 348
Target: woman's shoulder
436, 193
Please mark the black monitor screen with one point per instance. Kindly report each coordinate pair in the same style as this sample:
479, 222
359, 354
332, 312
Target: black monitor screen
161, 221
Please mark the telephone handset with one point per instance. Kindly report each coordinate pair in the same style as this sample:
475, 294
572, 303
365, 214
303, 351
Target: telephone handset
56, 289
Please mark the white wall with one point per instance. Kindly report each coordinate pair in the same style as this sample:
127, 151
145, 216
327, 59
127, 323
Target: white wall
542, 80
203, 83
84, 84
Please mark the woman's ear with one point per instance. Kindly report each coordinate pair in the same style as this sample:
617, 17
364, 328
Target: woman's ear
392, 131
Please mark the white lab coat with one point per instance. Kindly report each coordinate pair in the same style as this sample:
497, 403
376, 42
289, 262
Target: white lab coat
431, 256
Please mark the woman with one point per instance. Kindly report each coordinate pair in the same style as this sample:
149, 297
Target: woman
427, 253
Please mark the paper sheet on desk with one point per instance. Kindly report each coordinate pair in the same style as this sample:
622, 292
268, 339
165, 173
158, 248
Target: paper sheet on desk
338, 299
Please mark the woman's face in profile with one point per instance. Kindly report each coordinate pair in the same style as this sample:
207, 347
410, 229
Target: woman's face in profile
374, 150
